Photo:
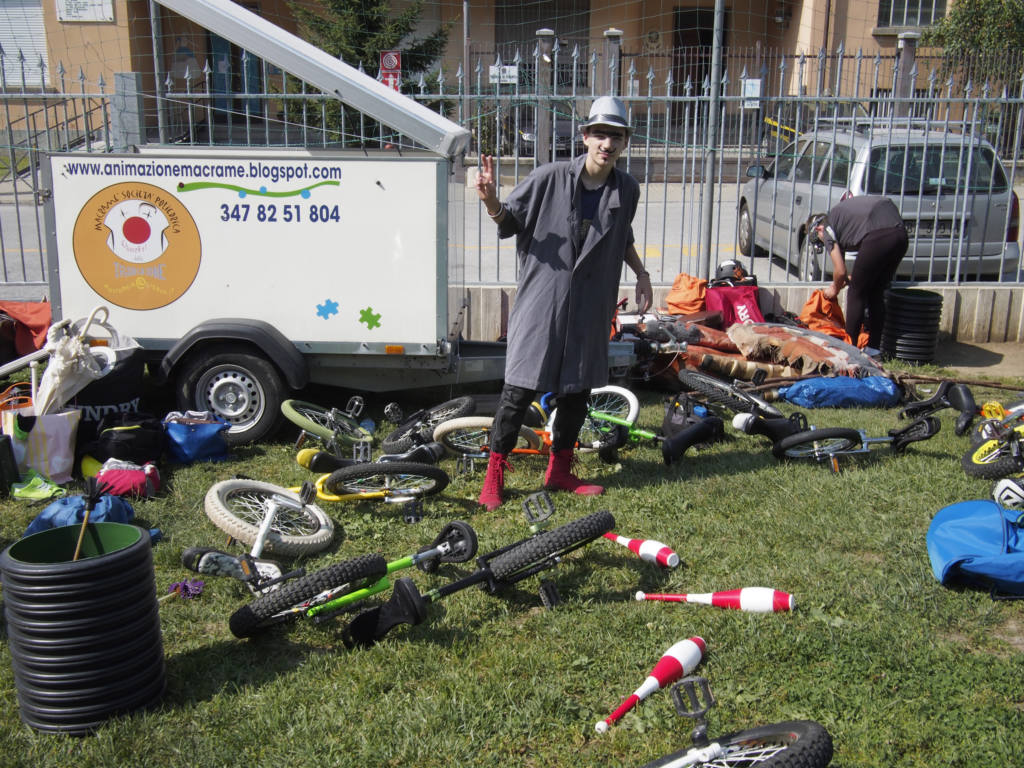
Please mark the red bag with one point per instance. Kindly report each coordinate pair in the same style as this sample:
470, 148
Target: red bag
124, 478
737, 303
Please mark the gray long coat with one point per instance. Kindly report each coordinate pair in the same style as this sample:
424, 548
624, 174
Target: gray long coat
560, 321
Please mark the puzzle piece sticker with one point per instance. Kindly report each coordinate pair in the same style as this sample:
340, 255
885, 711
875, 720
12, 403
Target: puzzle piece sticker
328, 308
367, 316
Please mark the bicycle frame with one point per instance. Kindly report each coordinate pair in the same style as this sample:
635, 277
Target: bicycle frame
327, 610
920, 429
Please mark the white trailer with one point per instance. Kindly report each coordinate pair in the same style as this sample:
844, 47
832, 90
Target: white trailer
249, 274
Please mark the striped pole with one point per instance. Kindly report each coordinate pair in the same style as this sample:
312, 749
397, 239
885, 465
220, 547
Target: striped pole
752, 599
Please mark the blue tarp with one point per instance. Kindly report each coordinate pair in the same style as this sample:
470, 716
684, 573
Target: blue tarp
978, 542
843, 392
70, 510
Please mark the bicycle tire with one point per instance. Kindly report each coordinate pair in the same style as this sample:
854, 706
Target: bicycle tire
815, 442
718, 392
989, 429
287, 602
558, 541
791, 744
326, 423
992, 460
402, 479
612, 400
471, 435
237, 508
422, 428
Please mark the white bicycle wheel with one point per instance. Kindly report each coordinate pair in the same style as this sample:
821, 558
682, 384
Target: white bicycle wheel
471, 435
238, 507
612, 400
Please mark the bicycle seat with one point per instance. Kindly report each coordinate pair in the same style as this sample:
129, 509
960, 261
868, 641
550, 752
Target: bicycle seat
921, 429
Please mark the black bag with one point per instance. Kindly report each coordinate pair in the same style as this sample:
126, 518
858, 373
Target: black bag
681, 412
135, 437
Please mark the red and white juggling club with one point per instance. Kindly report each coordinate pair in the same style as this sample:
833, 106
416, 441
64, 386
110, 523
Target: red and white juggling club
752, 599
681, 659
647, 549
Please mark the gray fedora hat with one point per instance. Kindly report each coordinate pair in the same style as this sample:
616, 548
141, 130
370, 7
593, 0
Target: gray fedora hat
608, 110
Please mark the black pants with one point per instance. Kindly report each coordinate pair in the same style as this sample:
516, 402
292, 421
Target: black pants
879, 254
512, 407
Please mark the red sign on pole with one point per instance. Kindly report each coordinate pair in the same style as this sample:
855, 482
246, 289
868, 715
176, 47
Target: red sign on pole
391, 69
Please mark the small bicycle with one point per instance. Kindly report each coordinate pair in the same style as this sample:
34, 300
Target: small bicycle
495, 571
996, 448
338, 588
337, 430
613, 433
265, 517
731, 397
792, 438
471, 435
418, 428
328, 592
803, 743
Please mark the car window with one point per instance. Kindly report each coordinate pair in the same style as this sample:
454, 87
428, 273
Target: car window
836, 170
784, 163
811, 160
933, 169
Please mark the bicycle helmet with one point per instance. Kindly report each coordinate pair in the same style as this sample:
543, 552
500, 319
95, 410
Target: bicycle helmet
730, 270
1009, 492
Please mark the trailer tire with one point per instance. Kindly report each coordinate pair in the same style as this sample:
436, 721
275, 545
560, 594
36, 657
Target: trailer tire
242, 388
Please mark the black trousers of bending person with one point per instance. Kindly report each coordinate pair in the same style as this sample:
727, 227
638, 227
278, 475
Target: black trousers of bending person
879, 254
511, 413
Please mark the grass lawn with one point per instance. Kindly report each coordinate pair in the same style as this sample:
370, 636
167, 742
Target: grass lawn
900, 670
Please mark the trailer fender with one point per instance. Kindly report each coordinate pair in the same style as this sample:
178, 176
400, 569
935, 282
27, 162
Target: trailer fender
270, 341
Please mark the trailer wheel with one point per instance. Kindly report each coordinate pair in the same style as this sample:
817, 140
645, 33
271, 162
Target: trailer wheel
244, 389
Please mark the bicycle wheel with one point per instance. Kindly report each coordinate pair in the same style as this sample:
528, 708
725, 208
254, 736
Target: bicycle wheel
291, 599
793, 744
238, 507
612, 400
992, 460
816, 442
398, 478
326, 423
721, 393
553, 543
472, 435
982, 431
422, 427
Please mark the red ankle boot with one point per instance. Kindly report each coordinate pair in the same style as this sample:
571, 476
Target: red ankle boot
494, 481
559, 476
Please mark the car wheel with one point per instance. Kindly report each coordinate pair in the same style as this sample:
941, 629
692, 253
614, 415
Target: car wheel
746, 234
243, 388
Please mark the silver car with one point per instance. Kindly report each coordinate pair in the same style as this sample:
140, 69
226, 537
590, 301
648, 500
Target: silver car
952, 190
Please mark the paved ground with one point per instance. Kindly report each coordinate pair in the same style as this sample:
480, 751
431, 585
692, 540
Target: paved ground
984, 360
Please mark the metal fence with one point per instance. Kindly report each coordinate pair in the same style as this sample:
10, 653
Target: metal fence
694, 139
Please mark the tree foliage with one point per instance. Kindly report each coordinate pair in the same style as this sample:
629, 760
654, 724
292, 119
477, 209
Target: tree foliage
980, 30
357, 31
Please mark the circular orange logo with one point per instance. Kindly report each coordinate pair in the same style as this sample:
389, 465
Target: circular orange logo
136, 245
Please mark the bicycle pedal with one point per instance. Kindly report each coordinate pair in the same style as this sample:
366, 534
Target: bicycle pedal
412, 510
465, 465
538, 507
361, 451
549, 596
393, 413
354, 407
699, 698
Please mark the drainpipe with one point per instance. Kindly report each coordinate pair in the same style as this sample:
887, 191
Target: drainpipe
711, 129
